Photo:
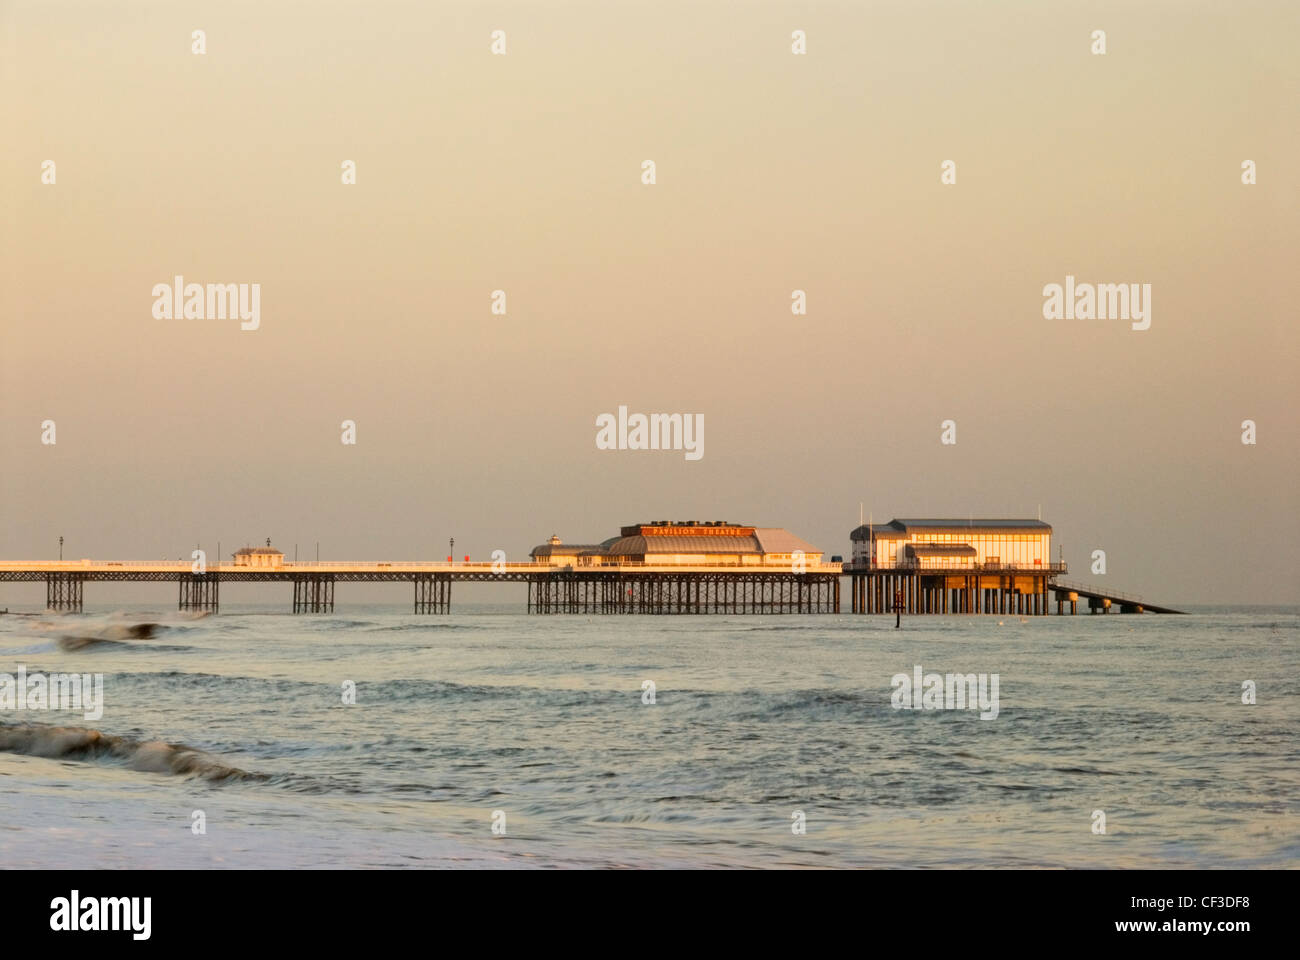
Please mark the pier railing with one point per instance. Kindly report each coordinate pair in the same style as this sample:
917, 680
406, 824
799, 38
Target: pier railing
955, 565
1092, 588
319, 566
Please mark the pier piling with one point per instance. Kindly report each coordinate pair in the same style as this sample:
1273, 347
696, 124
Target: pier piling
64, 591
433, 594
198, 592
686, 593
313, 594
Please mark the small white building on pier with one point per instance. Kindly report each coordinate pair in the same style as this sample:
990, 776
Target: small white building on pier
266, 556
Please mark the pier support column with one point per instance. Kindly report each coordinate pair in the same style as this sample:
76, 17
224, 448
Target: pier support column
198, 592
64, 591
433, 593
313, 594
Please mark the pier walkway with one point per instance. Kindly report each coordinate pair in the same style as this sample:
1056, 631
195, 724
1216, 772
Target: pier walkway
625, 587
1100, 601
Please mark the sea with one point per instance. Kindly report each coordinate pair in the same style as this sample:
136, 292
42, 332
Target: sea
369, 738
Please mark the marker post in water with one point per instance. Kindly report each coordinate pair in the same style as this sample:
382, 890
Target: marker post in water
898, 609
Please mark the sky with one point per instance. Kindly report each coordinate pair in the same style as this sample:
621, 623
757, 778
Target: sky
774, 172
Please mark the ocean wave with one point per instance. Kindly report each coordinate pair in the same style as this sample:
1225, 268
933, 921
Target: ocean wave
85, 743
815, 704
91, 633
397, 690
429, 626
74, 644
328, 624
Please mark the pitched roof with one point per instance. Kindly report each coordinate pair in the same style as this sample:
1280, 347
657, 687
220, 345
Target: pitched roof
640, 546
879, 530
897, 528
951, 524
779, 540
566, 549
700, 540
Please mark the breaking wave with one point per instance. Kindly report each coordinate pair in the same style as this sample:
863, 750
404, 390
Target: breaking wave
103, 634
84, 743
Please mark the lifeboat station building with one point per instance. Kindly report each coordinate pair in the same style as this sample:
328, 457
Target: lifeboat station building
952, 566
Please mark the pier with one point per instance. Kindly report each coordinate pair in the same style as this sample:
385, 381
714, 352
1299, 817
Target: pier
968, 566
666, 567
1101, 601
953, 566
686, 593
627, 587
978, 588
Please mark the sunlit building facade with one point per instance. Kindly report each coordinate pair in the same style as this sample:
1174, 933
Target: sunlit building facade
952, 566
686, 543
936, 544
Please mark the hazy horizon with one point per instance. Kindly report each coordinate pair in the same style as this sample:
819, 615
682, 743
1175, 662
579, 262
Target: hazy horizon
775, 173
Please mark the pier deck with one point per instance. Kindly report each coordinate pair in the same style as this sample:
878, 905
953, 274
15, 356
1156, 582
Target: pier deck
600, 588
1100, 601
612, 588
